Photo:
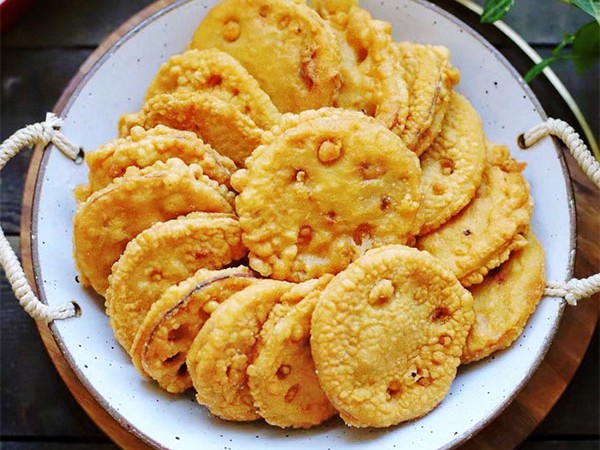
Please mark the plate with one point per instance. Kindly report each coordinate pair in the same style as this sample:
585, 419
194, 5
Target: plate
117, 83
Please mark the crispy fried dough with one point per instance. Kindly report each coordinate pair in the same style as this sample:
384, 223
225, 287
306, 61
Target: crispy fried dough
223, 349
283, 44
112, 216
143, 148
323, 193
282, 376
161, 256
504, 301
373, 78
163, 339
216, 122
484, 233
430, 79
387, 334
214, 71
453, 166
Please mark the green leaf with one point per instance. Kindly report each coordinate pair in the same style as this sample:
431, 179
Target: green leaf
538, 68
586, 46
592, 7
495, 10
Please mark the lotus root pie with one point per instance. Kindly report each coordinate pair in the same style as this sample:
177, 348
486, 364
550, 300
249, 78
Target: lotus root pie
142, 148
163, 339
284, 44
452, 168
214, 71
112, 216
282, 377
387, 334
221, 352
430, 78
323, 193
217, 122
505, 300
484, 233
373, 78
163, 255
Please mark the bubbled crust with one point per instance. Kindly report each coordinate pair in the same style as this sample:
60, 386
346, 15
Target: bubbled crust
214, 71
145, 269
282, 377
283, 44
218, 123
323, 193
453, 166
387, 334
482, 235
142, 148
223, 349
505, 300
163, 339
430, 79
112, 216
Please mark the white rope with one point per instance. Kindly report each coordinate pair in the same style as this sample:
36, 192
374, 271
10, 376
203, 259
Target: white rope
571, 139
40, 133
574, 289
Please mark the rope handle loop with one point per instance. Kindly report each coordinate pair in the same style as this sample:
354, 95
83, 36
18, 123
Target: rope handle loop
42, 133
574, 289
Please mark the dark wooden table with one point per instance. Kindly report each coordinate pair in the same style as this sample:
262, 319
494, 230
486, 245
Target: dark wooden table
41, 53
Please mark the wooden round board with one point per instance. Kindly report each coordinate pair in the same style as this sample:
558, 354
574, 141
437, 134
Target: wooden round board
507, 430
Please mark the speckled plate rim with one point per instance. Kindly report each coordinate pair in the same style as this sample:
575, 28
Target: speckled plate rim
42, 169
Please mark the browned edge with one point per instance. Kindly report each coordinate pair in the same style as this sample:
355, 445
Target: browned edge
524, 414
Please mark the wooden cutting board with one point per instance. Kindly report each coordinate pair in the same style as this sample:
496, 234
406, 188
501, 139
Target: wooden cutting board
507, 430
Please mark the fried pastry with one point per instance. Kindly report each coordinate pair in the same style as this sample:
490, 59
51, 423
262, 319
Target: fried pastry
283, 44
484, 233
323, 193
430, 79
214, 71
372, 74
218, 123
387, 334
282, 377
142, 148
452, 168
163, 339
504, 301
221, 352
145, 270
112, 216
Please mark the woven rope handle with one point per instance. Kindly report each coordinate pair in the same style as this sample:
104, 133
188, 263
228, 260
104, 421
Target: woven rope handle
41, 133
574, 289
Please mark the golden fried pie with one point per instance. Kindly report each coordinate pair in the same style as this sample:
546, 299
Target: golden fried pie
430, 79
387, 334
163, 339
284, 44
142, 148
323, 193
452, 168
112, 216
217, 122
214, 71
504, 301
223, 349
373, 78
161, 256
282, 377
484, 233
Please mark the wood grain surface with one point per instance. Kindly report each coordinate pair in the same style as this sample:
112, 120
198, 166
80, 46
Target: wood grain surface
573, 423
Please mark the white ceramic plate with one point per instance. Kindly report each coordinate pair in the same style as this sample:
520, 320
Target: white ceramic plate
117, 84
